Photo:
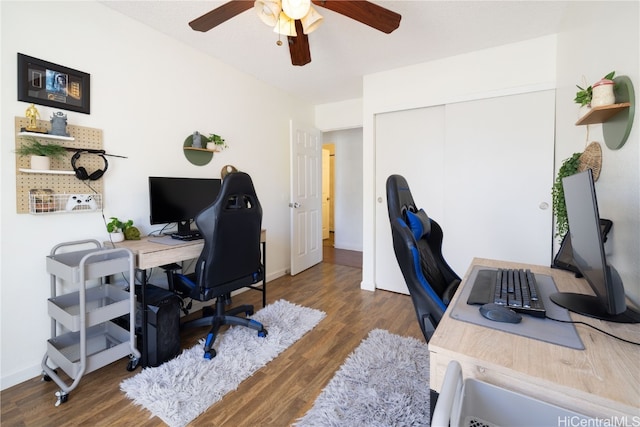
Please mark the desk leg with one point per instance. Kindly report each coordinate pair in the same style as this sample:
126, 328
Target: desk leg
143, 291
433, 399
264, 275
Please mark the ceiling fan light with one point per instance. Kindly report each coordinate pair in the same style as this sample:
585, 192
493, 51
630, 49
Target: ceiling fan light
296, 9
285, 26
311, 21
268, 11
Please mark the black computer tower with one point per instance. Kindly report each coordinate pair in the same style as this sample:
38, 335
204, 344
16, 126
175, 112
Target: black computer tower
163, 325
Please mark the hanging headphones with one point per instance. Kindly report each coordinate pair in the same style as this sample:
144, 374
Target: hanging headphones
81, 173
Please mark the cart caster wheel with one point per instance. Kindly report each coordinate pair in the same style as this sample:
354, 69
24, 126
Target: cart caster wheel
263, 333
133, 364
210, 354
62, 397
46, 377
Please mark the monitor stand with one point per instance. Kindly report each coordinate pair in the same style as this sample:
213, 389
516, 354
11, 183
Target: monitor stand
184, 228
591, 306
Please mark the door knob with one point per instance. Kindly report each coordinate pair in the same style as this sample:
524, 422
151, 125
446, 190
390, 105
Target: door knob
294, 205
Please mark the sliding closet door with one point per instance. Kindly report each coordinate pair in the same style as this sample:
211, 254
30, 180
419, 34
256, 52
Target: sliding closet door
483, 169
409, 143
499, 173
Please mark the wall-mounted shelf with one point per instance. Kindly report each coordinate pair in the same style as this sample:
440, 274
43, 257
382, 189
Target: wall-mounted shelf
616, 119
201, 149
46, 136
602, 114
48, 171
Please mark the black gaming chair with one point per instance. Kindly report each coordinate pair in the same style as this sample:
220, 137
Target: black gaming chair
417, 243
230, 259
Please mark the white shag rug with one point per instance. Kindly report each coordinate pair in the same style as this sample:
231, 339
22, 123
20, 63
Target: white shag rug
182, 388
384, 382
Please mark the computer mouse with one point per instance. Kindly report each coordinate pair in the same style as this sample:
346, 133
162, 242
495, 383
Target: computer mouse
499, 313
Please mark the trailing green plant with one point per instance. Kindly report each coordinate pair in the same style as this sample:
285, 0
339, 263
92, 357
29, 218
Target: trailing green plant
33, 147
569, 167
584, 95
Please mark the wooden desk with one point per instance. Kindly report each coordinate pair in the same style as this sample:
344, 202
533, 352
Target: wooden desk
150, 254
601, 381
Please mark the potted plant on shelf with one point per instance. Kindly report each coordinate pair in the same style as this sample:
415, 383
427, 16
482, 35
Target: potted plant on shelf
120, 231
41, 154
585, 95
218, 142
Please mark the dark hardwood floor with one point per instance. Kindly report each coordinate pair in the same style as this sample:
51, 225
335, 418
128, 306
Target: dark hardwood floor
340, 256
277, 394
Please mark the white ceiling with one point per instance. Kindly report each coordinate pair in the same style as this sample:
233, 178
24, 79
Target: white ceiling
343, 50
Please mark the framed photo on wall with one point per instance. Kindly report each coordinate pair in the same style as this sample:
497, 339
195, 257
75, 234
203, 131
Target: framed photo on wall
53, 85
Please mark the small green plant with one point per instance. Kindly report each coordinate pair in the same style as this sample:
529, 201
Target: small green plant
130, 232
569, 167
584, 95
33, 147
116, 225
217, 139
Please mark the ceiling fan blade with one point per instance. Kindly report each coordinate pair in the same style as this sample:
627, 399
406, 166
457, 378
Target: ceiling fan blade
220, 14
299, 46
366, 12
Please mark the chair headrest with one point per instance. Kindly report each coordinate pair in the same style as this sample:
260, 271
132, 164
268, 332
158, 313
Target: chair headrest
419, 223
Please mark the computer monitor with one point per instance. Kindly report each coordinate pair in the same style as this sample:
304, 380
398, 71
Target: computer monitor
179, 200
589, 256
564, 257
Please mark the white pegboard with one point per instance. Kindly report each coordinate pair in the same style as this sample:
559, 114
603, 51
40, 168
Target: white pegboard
61, 180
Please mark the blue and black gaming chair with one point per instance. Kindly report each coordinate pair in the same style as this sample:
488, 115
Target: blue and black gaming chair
230, 258
417, 243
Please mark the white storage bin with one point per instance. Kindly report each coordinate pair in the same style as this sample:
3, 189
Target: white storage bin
102, 303
66, 266
105, 343
473, 403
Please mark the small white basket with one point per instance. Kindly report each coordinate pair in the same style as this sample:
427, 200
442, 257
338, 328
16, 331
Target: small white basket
46, 202
473, 403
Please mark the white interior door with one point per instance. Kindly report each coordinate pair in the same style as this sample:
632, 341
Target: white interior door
482, 169
409, 143
306, 195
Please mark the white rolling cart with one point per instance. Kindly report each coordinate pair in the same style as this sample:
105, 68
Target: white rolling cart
472, 403
83, 338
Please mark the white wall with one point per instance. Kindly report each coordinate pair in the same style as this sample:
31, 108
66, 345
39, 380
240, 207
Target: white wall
348, 187
514, 68
148, 93
584, 52
339, 115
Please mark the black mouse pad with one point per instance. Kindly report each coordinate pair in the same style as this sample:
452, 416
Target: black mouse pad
564, 334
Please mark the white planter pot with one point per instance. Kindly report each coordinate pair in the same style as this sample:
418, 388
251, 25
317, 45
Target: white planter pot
117, 237
40, 163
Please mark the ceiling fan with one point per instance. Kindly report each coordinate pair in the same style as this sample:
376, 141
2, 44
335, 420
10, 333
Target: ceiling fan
297, 18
